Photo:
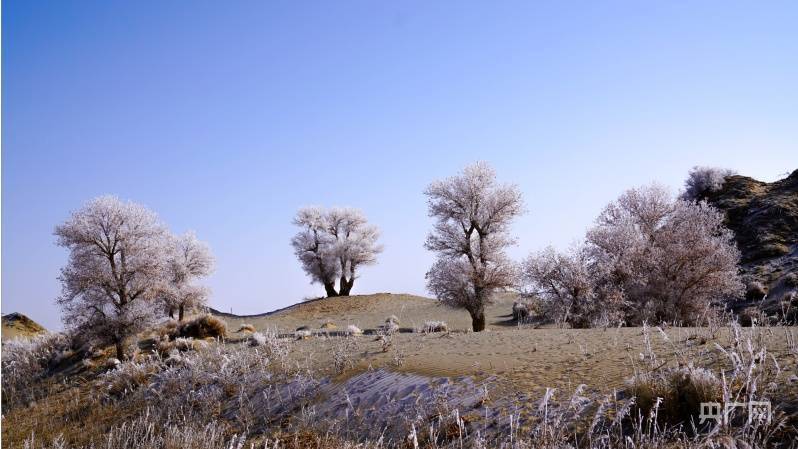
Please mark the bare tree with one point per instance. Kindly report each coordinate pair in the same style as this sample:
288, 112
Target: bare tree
473, 215
116, 264
332, 244
188, 260
669, 259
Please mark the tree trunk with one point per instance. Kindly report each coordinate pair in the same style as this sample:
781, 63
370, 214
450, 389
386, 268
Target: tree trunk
171, 312
330, 288
346, 286
181, 311
120, 351
478, 320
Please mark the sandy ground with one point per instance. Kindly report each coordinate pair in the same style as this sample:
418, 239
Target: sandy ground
531, 360
519, 358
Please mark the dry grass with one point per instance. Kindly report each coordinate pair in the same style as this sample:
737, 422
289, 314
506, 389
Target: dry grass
246, 328
433, 326
270, 392
202, 327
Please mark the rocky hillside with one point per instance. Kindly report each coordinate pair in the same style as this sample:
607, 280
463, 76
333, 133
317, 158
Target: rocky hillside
764, 218
17, 325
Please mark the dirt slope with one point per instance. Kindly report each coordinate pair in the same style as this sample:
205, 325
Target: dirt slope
17, 325
370, 311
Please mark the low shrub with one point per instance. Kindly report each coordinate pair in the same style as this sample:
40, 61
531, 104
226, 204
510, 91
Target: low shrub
122, 379
25, 361
704, 180
257, 339
201, 327
773, 249
520, 311
272, 345
754, 290
183, 344
751, 316
675, 395
353, 330
246, 328
390, 327
434, 326
168, 329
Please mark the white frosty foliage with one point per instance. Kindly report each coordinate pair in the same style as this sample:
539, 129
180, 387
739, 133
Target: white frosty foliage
332, 244
703, 180
649, 257
116, 265
473, 215
188, 259
353, 330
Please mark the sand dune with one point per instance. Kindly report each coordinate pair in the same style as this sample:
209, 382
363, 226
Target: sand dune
370, 311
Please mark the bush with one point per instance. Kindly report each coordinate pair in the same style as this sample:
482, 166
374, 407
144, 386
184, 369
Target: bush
246, 328
754, 290
124, 378
201, 327
791, 280
353, 330
257, 339
271, 343
520, 311
328, 324
751, 316
434, 326
168, 329
25, 361
180, 344
704, 180
682, 391
390, 327
773, 249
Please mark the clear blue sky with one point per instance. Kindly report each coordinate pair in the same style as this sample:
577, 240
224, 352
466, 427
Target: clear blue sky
225, 117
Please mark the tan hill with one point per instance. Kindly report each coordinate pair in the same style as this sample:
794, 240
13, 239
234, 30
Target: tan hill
369, 312
764, 218
17, 325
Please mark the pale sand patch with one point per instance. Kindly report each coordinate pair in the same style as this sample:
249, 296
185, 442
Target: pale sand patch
531, 360
518, 359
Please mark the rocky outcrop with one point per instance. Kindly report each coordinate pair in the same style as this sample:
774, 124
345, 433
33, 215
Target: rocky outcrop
764, 218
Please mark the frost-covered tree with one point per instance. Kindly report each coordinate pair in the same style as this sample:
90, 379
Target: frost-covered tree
116, 265
703, 180
188, 260
313, 247
649, 257
564, 282
333, 244
667, 259
355, 244
472, 229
